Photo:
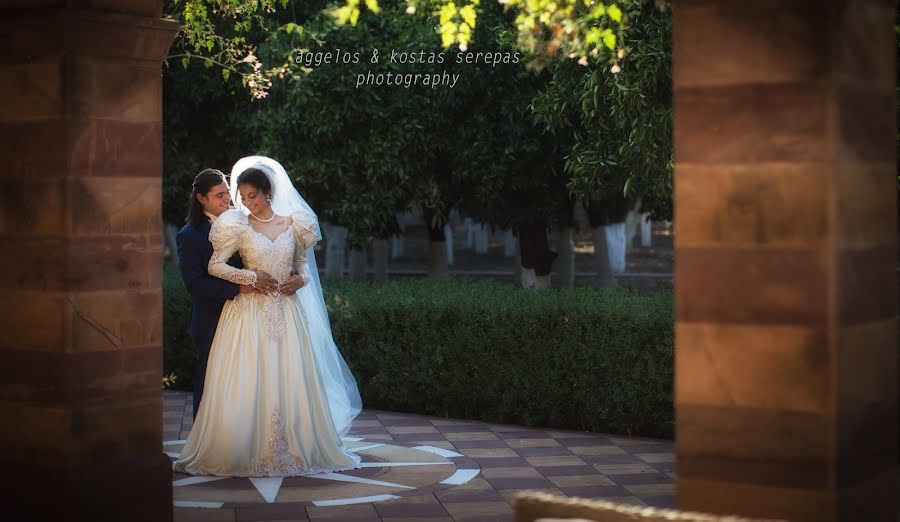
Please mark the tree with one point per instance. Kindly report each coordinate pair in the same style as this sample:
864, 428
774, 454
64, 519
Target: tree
354, 149
503, 144
216, 31
620, 120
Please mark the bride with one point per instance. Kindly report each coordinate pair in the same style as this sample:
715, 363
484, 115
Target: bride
278, 395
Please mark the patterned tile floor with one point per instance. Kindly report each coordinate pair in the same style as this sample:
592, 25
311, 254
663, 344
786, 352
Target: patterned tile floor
420, 468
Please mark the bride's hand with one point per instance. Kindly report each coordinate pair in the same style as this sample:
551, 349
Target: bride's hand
265, 282
291, 285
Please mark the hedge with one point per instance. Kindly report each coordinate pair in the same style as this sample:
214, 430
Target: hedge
580, 358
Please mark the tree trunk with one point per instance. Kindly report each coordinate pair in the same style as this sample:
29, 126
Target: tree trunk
357, 264
565, 245
601, 215
537, 258
437, 248
601, 258
517, 266
448, 242
335, 250
482, 239
469, 226
631, 227
396, 246
646, 230
437, 260
510, 248
615, 243
380, 259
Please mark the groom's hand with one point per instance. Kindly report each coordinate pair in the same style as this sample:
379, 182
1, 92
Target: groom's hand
291, 285
247, 289
265, 282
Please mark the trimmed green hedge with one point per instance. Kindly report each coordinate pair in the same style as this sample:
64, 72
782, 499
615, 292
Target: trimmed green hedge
582, 358
179, 355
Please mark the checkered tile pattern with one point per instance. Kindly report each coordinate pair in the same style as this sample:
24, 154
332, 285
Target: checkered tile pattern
512, 458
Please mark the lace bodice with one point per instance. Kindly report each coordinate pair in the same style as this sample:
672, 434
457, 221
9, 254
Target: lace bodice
231, 232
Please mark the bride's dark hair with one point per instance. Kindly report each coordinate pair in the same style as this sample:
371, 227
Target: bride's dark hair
256, 179
203, 183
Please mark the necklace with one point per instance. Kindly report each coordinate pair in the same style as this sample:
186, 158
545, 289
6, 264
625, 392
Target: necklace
264, 220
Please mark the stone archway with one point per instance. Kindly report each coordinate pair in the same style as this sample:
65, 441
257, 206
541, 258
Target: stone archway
80, 134
786, 247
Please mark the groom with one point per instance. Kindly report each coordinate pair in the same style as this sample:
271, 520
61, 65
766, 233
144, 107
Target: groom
209, 199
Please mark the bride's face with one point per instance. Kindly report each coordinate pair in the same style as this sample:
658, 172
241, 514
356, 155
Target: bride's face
253, 198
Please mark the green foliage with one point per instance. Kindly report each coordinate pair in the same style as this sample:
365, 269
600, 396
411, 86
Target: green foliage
620, 117
204, 126
571, 28
410, 147
221, 32
353, 150
503, 144
582, 358
577, 358
169, 380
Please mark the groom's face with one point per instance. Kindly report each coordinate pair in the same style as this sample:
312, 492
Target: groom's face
217, 200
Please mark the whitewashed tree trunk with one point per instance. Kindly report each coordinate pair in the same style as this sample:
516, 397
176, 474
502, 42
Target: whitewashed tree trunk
397, 246
357, 264
510, 247
615, 242
565, 245
335, 250
646, 230
448, 241
482, 239
380, 259
517, 263
469, 225
528, 277
437, 260
530, 280
632, 223
601, 258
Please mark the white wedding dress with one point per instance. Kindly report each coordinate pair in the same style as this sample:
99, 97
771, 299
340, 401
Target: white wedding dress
266, 408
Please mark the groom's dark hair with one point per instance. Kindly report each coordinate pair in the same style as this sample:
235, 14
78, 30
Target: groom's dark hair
206, 180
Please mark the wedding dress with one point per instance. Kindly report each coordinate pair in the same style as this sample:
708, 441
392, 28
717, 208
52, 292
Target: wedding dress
272, 404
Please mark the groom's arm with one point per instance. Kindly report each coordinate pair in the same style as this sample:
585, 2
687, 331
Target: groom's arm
196, 279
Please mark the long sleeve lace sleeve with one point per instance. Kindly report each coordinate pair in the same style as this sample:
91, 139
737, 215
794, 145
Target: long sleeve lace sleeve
301, 263
225, 236
306, 234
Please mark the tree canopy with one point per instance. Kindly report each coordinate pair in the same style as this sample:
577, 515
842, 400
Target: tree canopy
509, 143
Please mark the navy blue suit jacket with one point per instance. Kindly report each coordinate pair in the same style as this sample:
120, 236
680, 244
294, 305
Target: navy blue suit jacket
208, 293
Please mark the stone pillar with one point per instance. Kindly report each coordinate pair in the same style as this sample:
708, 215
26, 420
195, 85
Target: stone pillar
786, 239
80, 382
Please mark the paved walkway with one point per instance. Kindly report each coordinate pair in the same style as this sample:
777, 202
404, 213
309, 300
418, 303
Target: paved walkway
420, 468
